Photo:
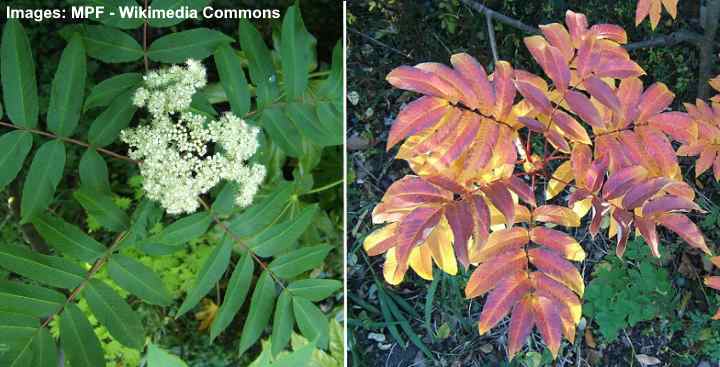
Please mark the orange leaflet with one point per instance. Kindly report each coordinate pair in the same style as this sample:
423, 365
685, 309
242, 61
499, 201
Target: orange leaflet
653, 9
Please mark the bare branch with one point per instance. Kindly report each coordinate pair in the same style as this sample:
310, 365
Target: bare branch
500, 17
491, 35
707, 47
667, 40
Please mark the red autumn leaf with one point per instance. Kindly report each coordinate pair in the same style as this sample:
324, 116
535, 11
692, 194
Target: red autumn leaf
501, 300
557, 268
556, 214
521, 324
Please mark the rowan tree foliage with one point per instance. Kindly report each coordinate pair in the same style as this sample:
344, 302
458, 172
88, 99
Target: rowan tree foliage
276, 109
605, 153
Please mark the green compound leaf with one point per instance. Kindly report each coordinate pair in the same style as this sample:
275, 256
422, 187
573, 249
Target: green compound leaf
45, 173
17, 70
14, 148
235, 295
136, 278
261, 307
51, 270
314, 290
68, 89
29, 299
103, 208
114, 313
67, 239
79, 342
109, 89
282, 236
111, 45
94, 172
282, 131
18, 332
232, 78
107, 126
311, 321
282, 322
157, 357
296, 262
296, 53
263, 213
325, 131
212, 270
173, 5
197, 43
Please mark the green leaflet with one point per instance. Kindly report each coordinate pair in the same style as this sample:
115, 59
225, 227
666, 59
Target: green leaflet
68, 89
107, 126
157, 357
296, 358
332, 87
174, 4
44, 350
114, 313
94, 171
79, 342
283, 131
111, 45
323, 130
212, 270
258, 55
17, 332
197, 43
14, 148
103, 208
260, 63
181, 231
45, 173
235, 295
282, 236
262, 213
296, 262
51, 270
136, 278
29, 299
17, 70
224, 203
282, 322
311, 321
67, 239
112, 16
296, 53
232, 77
109, 89
261, 306
314, 290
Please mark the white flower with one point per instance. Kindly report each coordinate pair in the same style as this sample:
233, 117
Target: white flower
182, 154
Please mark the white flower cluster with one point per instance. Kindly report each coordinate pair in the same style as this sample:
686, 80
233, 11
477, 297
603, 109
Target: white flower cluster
182, 154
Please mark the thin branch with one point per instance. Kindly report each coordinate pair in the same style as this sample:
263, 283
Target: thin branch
373, 40
69, 140
671, 39
145, 41
501, 17
491, 36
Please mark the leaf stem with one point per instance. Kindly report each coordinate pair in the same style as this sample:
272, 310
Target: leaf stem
70, 140
323, 188
238, 241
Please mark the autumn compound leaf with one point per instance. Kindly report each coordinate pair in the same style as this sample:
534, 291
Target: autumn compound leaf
473, 196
